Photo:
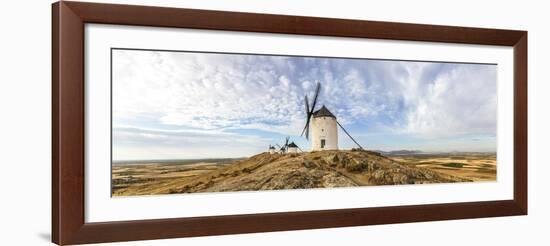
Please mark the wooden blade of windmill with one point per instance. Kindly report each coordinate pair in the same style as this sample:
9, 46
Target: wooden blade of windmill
278, 146
306, 127
317, 90
352, 139
307, 105
306, 102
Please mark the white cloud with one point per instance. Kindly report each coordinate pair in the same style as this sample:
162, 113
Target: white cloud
205, 91
139, 143
217, 93
460, 101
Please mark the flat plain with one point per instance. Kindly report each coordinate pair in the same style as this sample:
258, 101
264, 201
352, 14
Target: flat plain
324, 169
155, 177
472, 166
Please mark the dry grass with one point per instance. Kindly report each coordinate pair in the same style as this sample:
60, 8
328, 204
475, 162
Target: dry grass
155, 178
323, 169
473, 166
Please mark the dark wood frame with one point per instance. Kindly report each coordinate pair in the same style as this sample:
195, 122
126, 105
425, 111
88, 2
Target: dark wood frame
68, 224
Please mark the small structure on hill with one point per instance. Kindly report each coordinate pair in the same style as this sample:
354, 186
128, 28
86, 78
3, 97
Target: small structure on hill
272, 149
288, 147
292, 148
283, 149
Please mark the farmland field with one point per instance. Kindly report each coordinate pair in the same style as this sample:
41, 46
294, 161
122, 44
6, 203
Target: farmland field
154, 177
321, 169
472, 166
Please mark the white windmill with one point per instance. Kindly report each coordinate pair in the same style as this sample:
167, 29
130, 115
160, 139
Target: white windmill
284, 148
289, 147
292, 148
324, 126
271, 149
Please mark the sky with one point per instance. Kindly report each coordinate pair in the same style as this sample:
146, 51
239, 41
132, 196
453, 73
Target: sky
185, 105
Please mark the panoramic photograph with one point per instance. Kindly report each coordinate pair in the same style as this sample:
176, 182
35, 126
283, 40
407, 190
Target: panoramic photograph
194, 122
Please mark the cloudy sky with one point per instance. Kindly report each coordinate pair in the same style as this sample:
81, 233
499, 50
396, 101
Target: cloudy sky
177, 105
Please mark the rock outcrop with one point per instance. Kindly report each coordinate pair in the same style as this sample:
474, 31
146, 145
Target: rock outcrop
322, 169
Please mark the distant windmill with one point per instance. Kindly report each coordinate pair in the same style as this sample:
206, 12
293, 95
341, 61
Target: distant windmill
271, 149
283, 149
324, 126
293, 148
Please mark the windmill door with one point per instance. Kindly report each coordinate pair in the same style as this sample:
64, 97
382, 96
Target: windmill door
322, 143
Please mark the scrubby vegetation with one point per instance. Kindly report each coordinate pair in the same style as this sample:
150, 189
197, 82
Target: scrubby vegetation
320, 169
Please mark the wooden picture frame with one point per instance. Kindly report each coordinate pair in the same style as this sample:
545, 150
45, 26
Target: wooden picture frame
68, 123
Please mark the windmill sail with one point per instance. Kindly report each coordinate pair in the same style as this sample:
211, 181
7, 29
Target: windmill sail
308, 114
315, 98
309, 111
286, 143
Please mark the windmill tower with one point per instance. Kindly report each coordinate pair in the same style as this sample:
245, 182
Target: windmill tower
292, 148
324, 126
324, 130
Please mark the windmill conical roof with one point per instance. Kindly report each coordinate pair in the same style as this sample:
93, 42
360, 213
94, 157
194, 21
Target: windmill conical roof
323, 112
292, 145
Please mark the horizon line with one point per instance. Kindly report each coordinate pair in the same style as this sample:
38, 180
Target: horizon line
242, 157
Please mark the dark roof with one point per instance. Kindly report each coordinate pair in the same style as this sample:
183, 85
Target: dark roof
323, 112
271, 147
292, 145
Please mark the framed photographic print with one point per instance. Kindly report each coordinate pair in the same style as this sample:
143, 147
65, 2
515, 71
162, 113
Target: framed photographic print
176, 122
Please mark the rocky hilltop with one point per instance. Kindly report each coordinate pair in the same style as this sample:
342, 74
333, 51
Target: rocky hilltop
322, 169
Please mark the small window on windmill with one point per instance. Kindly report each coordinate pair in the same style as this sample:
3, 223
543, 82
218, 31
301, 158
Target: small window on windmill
322, 143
